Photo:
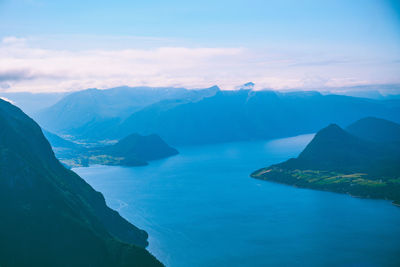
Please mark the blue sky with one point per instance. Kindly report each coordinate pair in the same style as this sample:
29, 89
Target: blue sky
355, 41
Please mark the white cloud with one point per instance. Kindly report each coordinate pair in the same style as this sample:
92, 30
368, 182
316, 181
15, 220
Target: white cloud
27, 68
12, 40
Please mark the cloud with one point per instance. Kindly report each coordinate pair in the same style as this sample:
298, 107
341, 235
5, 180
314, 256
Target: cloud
12, 40
25, 67
320, 63
15, 75
4, 86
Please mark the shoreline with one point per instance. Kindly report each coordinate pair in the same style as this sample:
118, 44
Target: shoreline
396, 204
393, 202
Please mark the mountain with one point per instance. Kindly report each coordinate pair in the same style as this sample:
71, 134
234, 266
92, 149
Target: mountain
336, 160
93, 109
372, 91
375, 129
247, 86
146, 148
209, 120
50, 216
334, 149
194, 117
248, 115
133, 150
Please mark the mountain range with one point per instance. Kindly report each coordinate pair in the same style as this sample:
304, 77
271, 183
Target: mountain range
50, 216
372, 91
249, 115
212, 116
89, 111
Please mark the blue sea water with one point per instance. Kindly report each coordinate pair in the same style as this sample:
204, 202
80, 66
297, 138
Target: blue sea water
201, 208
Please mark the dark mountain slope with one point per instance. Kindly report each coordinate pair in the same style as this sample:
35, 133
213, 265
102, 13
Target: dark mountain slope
50, 216
376, 130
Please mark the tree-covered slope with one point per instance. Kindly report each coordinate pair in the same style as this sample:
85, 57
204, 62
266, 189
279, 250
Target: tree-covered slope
145, 148
332, 148
50, 216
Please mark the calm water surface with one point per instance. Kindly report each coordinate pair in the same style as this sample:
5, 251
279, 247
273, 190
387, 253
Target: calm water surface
201, 208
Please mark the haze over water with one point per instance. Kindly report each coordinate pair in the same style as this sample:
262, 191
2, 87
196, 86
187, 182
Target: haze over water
201, 208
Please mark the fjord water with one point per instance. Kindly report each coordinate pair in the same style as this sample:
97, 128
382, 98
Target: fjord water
201, 208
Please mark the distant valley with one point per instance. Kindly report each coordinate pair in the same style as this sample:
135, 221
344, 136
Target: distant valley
133, 150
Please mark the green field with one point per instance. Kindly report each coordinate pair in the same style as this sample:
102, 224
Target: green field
356, 184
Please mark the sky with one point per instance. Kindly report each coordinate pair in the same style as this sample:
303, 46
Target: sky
54, 46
